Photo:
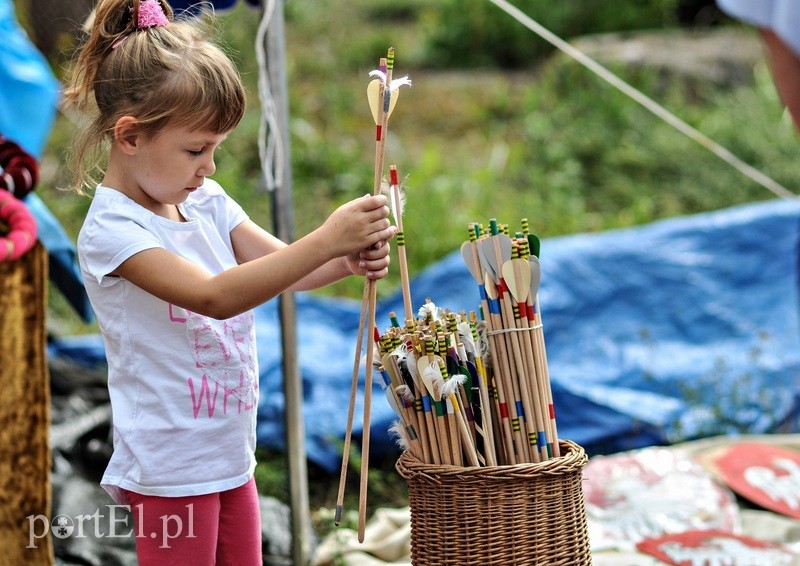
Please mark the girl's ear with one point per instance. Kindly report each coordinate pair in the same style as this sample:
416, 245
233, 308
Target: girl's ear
127, 134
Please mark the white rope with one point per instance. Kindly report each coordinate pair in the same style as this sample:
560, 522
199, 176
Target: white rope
270, 145
754, 174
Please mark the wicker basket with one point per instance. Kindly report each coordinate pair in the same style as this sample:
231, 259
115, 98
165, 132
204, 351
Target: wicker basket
531, 514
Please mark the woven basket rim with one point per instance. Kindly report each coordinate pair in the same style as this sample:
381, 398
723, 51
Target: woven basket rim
573, 458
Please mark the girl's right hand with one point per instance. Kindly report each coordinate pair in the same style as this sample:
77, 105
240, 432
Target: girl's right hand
358, 225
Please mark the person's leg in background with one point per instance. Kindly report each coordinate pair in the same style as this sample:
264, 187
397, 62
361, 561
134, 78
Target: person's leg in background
785, 65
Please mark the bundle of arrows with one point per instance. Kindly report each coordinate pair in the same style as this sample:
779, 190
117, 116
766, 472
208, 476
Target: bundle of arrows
473, 390
382, 94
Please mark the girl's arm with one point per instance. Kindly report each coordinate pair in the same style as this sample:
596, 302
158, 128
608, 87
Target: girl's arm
250, 242
355, 226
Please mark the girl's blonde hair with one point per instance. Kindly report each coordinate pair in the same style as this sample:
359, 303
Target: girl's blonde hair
159, 75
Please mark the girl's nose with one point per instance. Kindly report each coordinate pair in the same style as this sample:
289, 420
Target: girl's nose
208, 167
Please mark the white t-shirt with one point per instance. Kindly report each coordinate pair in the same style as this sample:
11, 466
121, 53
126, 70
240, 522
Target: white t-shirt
183, 387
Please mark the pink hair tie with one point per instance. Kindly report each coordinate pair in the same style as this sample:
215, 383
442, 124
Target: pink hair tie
151, 14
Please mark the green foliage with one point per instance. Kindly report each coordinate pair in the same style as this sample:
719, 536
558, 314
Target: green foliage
613, 163
480, 34
271, 475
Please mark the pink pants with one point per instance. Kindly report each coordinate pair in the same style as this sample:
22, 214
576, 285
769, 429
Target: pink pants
214, 529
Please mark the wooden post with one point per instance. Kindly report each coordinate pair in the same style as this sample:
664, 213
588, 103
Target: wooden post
283, 222
25, 459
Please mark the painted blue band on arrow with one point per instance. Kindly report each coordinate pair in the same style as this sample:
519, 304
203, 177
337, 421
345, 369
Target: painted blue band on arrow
426, 403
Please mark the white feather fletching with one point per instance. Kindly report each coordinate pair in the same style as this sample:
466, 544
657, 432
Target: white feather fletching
398, 431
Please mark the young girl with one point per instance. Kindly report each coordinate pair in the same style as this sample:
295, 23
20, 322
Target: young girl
173, 268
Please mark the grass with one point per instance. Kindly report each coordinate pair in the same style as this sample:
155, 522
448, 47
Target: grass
551, 142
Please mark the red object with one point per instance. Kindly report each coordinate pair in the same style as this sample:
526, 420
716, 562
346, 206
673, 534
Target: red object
715, 547
767, 475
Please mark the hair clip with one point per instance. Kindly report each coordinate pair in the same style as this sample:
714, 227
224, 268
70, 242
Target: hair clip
120, 41
151, 14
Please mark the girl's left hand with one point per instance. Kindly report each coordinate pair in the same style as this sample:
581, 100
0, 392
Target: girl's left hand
372, 263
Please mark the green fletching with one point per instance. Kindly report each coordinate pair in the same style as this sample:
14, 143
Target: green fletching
534, 244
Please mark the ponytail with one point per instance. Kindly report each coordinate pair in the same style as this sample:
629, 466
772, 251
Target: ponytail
112, 22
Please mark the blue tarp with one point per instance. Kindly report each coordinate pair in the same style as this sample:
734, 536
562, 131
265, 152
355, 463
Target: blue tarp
29, 92
680, 329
